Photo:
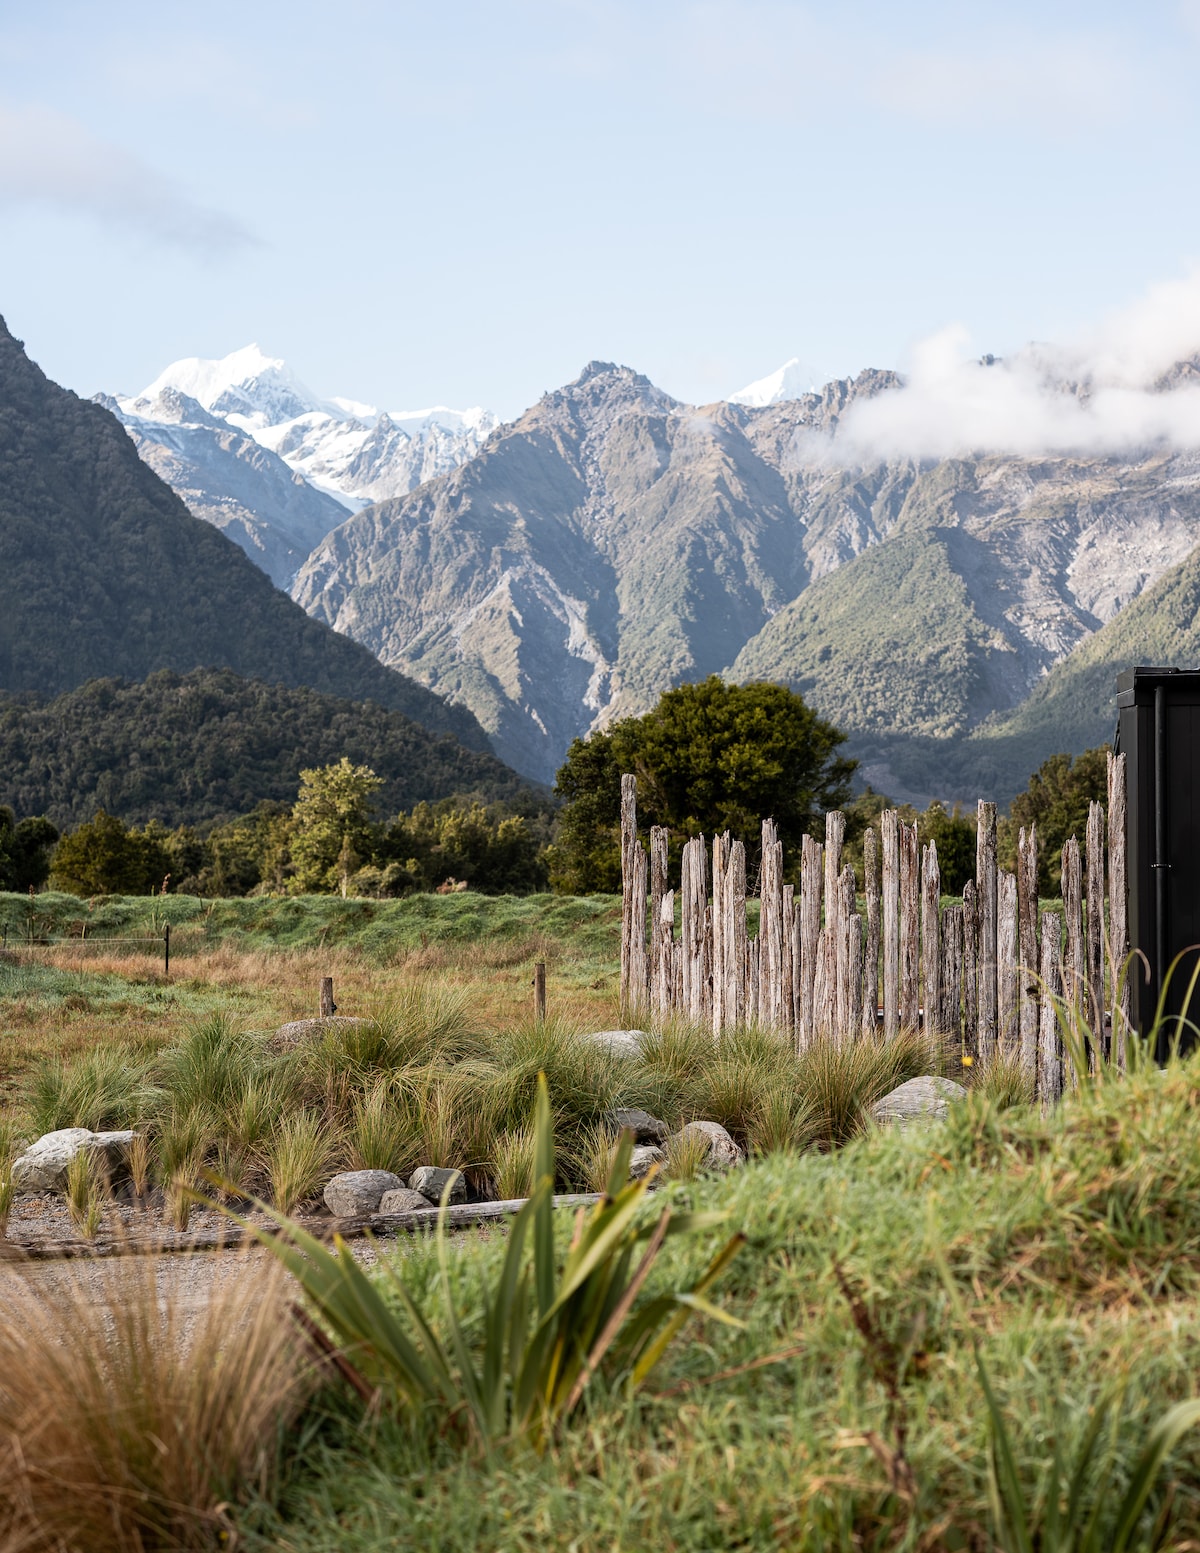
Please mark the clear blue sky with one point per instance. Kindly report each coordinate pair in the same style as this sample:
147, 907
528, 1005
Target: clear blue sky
464, 202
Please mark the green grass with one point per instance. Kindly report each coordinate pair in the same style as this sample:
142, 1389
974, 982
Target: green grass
1073, 1249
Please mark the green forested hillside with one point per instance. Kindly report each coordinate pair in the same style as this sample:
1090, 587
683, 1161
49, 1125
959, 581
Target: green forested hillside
188, 749
104, 571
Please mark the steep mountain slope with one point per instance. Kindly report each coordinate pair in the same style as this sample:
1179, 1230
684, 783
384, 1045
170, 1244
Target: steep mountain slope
186, 749
231, 481
613, 541
106, 572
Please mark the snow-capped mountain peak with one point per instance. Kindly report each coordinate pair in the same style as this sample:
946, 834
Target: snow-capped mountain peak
247, 386
791, 381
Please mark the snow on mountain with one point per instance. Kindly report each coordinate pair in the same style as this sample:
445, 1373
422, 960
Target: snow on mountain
351, 450
791, 381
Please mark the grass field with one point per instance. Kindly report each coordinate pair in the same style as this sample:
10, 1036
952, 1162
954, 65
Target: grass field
848, 1412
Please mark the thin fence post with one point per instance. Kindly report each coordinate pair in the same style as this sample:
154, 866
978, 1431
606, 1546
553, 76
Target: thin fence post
835, 830
664, 975
539, 992
931, 937
970, 967
638, 968
737, 950
166, 948
720, 852
811, 858
1008, 981
1075, 963
871, 948
1027, 934
952, 970
787, 938
889, 824
628, 835
770, 927
326, 1005
985, 968
910, 925
1050, 1066
1118, 908
1095, 930
659, 839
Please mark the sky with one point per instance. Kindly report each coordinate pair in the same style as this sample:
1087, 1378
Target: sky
464, 203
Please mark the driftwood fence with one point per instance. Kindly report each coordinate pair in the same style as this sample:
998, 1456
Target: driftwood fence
839, 958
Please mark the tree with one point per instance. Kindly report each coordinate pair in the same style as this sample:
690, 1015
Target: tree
104, 857
25, 847
1056, 801
332, 819
710, 757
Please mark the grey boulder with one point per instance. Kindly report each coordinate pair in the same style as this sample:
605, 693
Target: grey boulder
302, 1032
645, 1128
430, 1181
621, 1043
402, 1199
643, 1158
356, 1193
43, 1166
918, 1102
722, 1153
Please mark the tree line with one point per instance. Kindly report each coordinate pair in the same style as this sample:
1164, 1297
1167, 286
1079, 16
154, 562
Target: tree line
709, 757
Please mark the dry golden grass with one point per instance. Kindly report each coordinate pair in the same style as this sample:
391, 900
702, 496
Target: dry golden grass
134, 1422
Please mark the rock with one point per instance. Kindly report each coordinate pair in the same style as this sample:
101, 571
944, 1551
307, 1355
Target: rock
645, 1128
722, 1150
401, 1199
356, 1193
621, 1043
918, 1102
305, 1031
43, 1166
642, 1159
430, 1181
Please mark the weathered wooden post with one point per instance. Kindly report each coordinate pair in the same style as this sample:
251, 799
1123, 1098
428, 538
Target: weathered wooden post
1095, 930
664, 975
970, 969
952, 970
986, 902
539, 991
871, 948
910, 926
694, 905
736, 936
835, 831
659, 839
811, 859
931, 936
1008, 981
1027, 934
720, 855
889, 825
1075, 961
628, 837
787, 988
770, 927
326, 1005
1050, 1066
166, 948
1118, 906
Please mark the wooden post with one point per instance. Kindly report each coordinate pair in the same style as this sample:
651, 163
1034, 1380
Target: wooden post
1008, 982
787, 968
694, 904
846, 1005
910, 926
985, 905
659, 838
871, 949
664, 976
327, 1005
889, 824
835, 830
820, 992
735, 889
854, 1016
166, 948
1095, 930
970, 981
638, 969
1075, 961
931, 937
539, 991
770, 927
753, 982
811, 857
1118, 908
720, 915
628, 835
1027, 937
952, 970
1050, 1067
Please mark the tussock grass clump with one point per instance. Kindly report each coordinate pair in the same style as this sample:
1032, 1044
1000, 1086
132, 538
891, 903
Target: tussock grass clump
132, 1422
840, 1081
105, 1088
384, 1131
513, 1164
297, 1155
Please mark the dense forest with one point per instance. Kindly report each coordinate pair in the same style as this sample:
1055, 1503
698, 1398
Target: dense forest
106, 572
195, 748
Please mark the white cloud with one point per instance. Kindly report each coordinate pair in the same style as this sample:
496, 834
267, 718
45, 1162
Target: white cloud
46, 157
1094, 395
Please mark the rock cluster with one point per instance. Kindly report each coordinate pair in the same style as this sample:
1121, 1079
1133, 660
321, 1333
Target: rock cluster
43, 1166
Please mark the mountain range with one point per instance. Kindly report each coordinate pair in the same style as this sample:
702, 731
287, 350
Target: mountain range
107, 574
613, 541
